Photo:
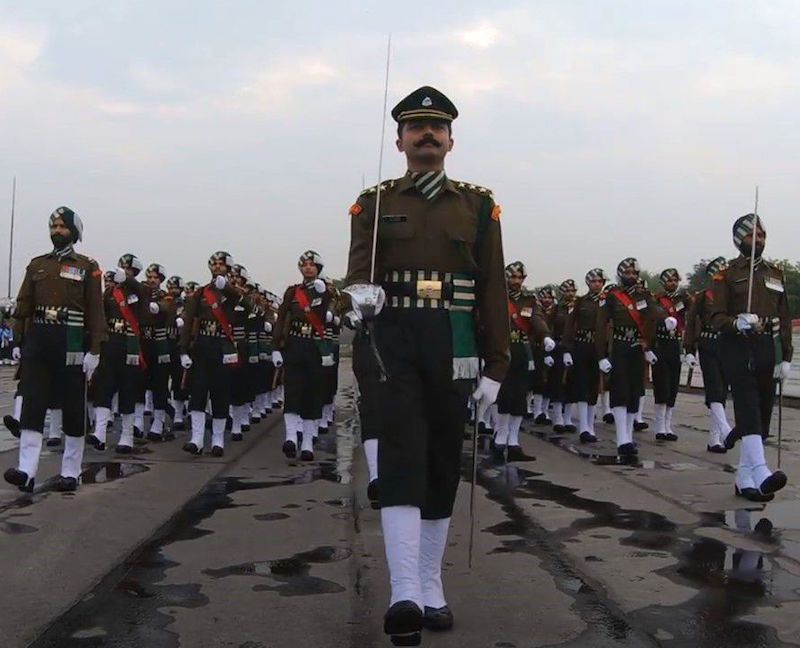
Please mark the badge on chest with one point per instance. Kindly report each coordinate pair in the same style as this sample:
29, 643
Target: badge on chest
72, 273
773, 283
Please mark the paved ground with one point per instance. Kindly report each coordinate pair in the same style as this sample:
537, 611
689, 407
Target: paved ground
252, 551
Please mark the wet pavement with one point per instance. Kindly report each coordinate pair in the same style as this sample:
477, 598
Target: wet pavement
253, 551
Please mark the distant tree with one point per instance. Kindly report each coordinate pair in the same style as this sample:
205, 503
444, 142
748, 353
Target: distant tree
792, 271
651, 280
697, 278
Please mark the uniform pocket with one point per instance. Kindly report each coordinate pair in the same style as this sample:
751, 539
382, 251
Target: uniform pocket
394, 227
461, 232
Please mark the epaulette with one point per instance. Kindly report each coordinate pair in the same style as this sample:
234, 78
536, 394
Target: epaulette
84, 257
388, 184
468, 186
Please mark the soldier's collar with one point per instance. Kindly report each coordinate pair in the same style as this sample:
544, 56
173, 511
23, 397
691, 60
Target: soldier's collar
67, 253
406, 183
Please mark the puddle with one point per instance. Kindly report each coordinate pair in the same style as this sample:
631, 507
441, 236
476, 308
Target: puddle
102, 472
270, 517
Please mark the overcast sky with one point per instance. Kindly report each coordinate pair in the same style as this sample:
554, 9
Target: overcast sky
605, 128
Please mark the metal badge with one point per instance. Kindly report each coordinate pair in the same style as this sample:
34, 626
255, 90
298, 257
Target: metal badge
427, 289
51, 314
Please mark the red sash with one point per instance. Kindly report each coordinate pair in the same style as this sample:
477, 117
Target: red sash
311, 316
218, 313
666, 302
625, 299
517, 319
130, 319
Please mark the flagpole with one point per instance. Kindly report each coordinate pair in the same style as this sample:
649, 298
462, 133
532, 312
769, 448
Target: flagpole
11, 237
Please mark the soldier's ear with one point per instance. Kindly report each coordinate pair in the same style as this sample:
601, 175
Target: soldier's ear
450, 143
399, 143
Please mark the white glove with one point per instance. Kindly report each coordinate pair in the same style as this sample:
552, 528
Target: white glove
186, 361
352, 320
220, 282
154, 308
277, 358
548, 361
327, 360
16, 353
119, 275
337, 320
671, 323
90, 362
691, 360
328, 317
179, 322
782, 370
605, 365
650, 357
549, 344
485, 395
366, 298
746, 322
268, 327
568, 360
320, 286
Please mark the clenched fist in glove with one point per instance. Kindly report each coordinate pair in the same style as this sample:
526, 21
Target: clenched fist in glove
485, 395
605, 365
277, 358
220, 282
186, 361
691, 360
568, 362
650, 357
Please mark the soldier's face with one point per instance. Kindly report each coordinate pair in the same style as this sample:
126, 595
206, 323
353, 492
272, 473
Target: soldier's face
218, 268
546, 301
515, 280
671, 285
237, 281
131, 272
595, 286
309, 269
569, 294
761, 241
629, 276
59, 233
175, 292
425, 142
153, 279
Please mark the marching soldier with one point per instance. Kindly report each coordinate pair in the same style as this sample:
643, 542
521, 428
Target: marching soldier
556, 317
527, 327
580, 354
159, 318
208, 336
632, 313
667, 371
439, 263
241, 391
300, 342
59, 311
755, 345
543, 359
122, 363
700, 339
175, 288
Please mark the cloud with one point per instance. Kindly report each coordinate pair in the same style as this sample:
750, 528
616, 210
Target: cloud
150, 79
21, 46
481, 37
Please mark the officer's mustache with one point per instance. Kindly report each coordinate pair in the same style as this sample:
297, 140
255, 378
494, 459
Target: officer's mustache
427, 140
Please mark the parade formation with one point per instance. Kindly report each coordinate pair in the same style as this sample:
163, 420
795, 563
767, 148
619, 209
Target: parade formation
445, 332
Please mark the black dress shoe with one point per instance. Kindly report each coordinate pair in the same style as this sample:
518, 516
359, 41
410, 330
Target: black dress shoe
154, 436
66, 484
289, 449
661, 436
730, 440
671, 436
587, 437
96, 443
217, 451
558, 428
137, 433
773, 483
306, 455
541, 419
124, 449
169, 435
12, 425
640, 425
19, 479
245, 427
403, 623
192, 448
437, 619
499, 453
255, 419
236, 436
372, 491
608, 418
53, 443
752, 494
717, 449
178, 426
322, 430
627, 450
570, 428
516, 453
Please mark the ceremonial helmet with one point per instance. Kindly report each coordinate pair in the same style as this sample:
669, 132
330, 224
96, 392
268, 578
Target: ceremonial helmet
715, 266
239, 271
743, 226
130, 261
567, 284
314, 257
192, 286
595, 274
175, 282
516, 267
157, 269
627, 264
221, 255
670, 274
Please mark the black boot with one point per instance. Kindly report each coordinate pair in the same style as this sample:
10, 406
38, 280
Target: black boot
437, 619
773, 483
96, 443
638, 426
588, 437
192, 448
289, 449
19, 479
627, 450
306, 455
124, 449
55, 442
752, 494
608, 418
12, 425
66, 484
717, 449
217, 451
730, 440
372, 491
403, 623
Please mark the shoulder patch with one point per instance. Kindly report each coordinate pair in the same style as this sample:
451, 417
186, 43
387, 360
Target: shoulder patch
496, 211
356, 209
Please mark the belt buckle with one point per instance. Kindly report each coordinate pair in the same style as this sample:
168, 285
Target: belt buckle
51, 314
305, 329
427, 289
119, 327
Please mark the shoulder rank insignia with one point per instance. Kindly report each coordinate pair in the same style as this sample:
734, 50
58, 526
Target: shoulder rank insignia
356, 209
384, 186
496, 211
